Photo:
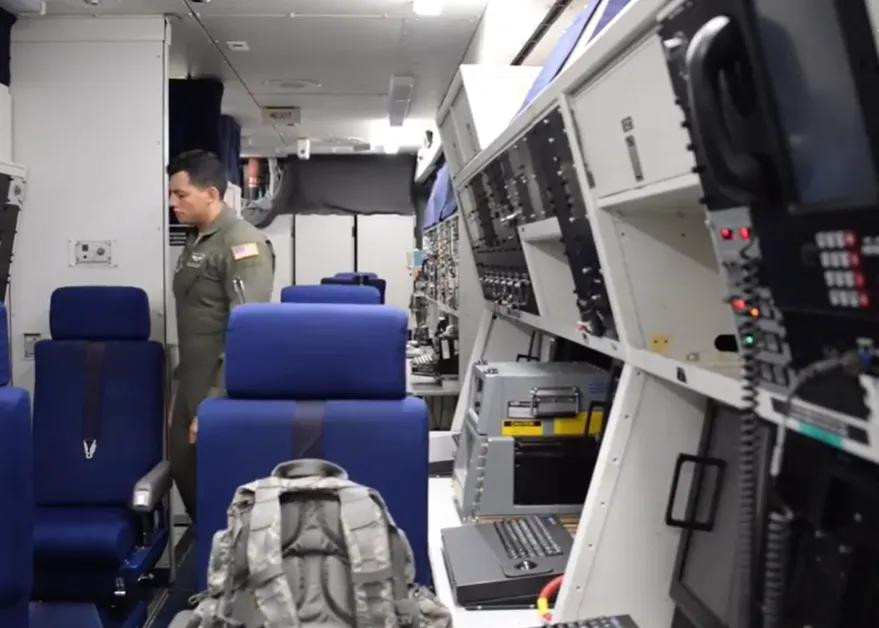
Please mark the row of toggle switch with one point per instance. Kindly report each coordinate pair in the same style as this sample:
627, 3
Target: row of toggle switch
512, 290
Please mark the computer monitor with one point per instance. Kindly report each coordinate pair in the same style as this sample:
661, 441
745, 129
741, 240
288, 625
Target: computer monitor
704, 586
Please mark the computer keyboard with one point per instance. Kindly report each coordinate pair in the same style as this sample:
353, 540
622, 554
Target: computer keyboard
617, 621
527, 537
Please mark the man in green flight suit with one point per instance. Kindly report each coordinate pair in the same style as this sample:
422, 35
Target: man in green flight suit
226, 262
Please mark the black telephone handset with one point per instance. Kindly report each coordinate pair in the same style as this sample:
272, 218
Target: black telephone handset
711, 61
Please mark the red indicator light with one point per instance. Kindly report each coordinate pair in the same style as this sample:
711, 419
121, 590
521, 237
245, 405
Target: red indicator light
859, 280
855, 259
726, 233
755, 312
851, 239
739, 304
864, 300
745, 232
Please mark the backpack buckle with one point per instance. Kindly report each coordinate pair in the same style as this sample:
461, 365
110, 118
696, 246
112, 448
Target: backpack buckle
89, 447
408, 613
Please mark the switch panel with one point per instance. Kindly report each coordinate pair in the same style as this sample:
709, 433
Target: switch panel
30, 342
93, 252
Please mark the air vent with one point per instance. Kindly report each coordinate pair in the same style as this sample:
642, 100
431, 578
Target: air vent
344, 144
400, 94
292, 85
238, 46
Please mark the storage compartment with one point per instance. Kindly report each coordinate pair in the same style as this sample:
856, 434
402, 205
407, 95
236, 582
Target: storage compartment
629, 125
678, 297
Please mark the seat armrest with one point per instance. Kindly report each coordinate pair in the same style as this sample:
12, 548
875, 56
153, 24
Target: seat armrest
151, 488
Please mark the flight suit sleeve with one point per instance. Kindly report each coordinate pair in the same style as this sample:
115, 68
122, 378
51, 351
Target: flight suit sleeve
249, 271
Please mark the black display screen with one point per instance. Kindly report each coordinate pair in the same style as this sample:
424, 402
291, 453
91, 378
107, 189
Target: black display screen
821, 116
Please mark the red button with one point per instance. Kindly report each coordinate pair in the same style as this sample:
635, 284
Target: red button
745, 232
855, 259
859, 280
726, 233
739, 304
851, 239
864, 300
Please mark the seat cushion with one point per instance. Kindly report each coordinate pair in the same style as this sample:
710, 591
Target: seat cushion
240, 441
94, 535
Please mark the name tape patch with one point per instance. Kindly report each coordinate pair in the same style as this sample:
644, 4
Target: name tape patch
243, 251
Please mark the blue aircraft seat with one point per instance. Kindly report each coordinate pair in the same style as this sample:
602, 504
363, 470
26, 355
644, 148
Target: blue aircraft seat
363, 279
315, 381
100, 482
356, 275
17, 489
329, 293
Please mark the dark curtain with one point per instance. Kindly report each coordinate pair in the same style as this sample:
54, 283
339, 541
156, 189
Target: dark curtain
230, 148
195, 115
7, 19
350, 184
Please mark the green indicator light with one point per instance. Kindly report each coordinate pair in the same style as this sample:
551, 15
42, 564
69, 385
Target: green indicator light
749, 340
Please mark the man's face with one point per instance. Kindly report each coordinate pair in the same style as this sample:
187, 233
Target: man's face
191, 204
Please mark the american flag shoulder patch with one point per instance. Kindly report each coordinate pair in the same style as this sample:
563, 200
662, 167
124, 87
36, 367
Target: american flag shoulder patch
243, 251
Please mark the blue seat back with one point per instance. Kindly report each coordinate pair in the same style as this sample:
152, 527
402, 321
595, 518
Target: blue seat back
98, 377
16, 487
352, 357
357, 279
356, 275
330, 293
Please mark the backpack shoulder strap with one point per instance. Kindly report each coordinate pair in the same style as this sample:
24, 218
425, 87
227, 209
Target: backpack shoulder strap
214, 603
372, 573
267, 579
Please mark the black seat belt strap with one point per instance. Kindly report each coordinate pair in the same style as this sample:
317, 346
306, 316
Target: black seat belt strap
94, 384
308, 429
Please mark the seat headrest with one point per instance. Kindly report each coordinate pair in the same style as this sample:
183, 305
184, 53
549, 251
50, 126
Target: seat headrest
5, 367
99, 313
316, 351
355, 275
329, 293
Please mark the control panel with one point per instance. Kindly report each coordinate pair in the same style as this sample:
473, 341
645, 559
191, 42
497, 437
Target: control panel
759, 321
533, 180
792, 222
497, 250
439, 270
561, 192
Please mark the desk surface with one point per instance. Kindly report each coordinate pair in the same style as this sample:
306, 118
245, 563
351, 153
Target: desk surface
426, 387
442, 514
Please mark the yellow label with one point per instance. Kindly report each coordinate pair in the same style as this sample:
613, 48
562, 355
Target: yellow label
573, 426
596, 421
518, 427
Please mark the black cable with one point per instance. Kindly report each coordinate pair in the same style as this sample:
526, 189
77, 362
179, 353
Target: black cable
778, 531
748, 440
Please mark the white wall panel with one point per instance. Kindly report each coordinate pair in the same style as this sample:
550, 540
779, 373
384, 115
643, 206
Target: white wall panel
324, 246
89, 98
383, 243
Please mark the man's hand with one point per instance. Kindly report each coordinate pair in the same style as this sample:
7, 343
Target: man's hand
193, 431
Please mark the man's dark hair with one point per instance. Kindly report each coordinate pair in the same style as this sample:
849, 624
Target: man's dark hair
204, 169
